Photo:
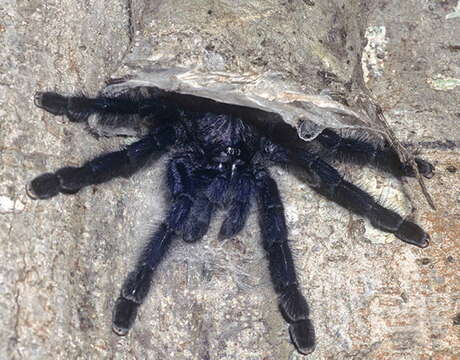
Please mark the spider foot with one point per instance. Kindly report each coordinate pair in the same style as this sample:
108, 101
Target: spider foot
295, 311
124, 314
413, 234
52, 102
67, 180
424, 167
76, 108
230, 228
194, 231
407, 231
44, 186
303, 336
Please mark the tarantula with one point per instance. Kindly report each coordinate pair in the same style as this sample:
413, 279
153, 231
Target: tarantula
220, 160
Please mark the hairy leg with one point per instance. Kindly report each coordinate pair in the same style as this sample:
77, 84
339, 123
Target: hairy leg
362, 152
128, 113
137, 284
206, 185
198, 221
185, 178
78, 107
241, 188
274, 234
328, 182
217, 190
125, 162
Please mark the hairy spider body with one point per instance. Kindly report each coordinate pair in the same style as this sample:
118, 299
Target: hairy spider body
221, 161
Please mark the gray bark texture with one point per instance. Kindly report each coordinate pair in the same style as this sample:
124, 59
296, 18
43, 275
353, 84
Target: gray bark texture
63, 260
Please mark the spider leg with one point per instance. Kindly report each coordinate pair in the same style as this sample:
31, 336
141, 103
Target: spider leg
241, 187
124, 114
292, 304
78, 107
137, 284
328, 182
362, 152
198, 221
69, 180
215, 189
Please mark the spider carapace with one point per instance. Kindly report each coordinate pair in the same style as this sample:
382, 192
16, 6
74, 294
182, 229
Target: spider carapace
219, 161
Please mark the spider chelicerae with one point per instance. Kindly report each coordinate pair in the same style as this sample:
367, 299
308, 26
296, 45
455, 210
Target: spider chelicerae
220, 159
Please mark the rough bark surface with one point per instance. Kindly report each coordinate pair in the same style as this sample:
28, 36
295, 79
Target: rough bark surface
63, 260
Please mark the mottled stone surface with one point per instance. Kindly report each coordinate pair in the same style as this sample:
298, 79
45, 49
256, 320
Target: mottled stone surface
63, 260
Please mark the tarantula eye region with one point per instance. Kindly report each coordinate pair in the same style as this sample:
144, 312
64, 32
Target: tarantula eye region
229, 155
232, 151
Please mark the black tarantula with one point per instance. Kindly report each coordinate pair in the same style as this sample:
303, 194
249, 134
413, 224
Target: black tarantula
220, 159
